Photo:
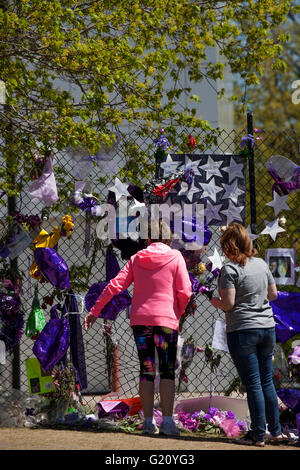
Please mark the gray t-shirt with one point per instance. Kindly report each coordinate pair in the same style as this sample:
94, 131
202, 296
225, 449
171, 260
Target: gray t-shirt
251, 308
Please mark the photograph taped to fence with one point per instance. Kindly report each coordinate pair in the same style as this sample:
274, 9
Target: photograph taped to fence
281, 262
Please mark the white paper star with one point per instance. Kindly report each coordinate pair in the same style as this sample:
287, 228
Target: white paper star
169, 166
272, 228
212, 168
233, 213
234, 170
232, 192
119, 189
190, 164
212, 211
253, 236
217, 260
279, 203
190, 194
210, 190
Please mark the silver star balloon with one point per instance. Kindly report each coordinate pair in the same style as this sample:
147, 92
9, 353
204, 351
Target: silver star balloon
272, 229
279, 203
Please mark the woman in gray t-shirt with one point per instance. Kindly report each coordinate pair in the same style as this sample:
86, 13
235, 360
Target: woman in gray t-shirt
245, 287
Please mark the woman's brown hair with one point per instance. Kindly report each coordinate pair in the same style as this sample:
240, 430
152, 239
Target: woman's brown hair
236, 243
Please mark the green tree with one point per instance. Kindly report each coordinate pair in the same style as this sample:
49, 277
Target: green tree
117, 57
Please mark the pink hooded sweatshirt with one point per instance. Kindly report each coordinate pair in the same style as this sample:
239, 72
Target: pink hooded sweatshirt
162, 287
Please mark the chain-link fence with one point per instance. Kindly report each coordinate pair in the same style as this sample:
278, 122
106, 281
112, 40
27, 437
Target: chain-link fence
109, 351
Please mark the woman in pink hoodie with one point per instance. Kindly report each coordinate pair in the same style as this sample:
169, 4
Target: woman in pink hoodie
162, 289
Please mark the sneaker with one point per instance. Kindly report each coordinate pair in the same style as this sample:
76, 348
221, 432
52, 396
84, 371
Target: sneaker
168, 429
149, 429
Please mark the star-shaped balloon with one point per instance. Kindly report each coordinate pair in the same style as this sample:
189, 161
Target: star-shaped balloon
216, 260
212, 168
234, 170
272, 228
232, 192
119, 189
279, 203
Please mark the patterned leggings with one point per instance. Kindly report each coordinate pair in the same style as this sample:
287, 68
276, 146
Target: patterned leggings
147, 338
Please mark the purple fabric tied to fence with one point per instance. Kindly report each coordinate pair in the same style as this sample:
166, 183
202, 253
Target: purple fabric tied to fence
286, 311
113, 307
53, 267
118, 302
290, 397
53, 342
107, 408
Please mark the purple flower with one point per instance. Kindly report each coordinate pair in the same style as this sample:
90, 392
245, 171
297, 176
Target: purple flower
212, 411
207, 416
230, 415
196, 415
162, 142
242, 425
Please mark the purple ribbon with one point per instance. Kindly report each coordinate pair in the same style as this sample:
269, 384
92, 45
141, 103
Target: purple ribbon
285, 186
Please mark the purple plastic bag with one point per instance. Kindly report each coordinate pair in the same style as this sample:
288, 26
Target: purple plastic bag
53, 342
53, 267
107, 408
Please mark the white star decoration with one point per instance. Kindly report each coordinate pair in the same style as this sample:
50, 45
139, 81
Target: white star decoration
217, 260
272, 228
232, 192
234, 170
211, 168
119, 189
210, 190
169, 166
190, 164
190, 194
279, 203
233, 213
212, 212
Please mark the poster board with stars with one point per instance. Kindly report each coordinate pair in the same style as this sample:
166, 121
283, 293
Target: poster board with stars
219, 184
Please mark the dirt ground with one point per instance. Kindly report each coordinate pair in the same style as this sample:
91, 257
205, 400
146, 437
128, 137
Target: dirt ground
49, 439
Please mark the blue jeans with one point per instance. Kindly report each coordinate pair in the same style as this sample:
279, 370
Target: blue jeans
251, 351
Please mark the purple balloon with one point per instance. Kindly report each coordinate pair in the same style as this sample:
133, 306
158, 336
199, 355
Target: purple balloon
113, 307
53, 342
286, 311
290, 397
53, 267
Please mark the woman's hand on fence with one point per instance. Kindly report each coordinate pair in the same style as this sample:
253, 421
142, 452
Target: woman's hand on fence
89, 321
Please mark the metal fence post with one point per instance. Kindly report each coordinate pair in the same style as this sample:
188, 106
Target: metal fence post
252, 191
